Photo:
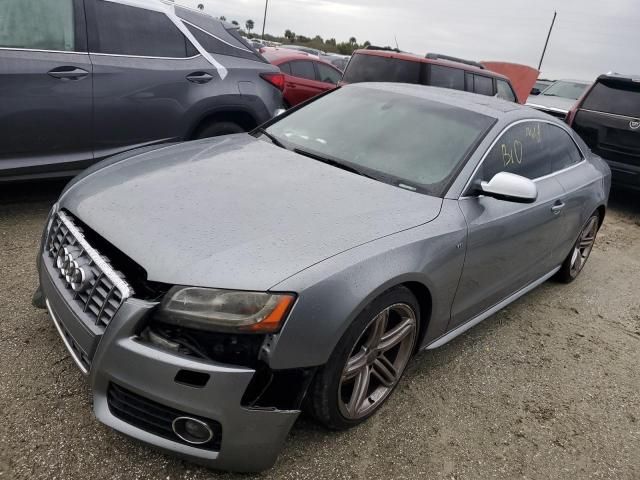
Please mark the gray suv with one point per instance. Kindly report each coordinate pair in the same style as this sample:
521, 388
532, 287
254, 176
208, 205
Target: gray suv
81, 80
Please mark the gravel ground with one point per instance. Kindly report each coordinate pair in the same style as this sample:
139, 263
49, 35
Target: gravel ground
548, 388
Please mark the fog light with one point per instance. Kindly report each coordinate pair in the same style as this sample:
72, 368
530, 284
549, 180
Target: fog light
192, 430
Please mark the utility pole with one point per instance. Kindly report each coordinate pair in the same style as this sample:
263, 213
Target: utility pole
547, 42
264, 21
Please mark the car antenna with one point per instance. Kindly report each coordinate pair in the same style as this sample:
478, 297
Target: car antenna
396, 39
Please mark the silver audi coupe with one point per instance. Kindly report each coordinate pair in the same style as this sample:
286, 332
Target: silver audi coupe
212, 290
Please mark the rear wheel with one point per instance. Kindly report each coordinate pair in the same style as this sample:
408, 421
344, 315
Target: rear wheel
368, 362
216, 129
577, 258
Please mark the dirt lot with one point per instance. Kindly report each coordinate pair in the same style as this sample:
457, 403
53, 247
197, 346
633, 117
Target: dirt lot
548, 388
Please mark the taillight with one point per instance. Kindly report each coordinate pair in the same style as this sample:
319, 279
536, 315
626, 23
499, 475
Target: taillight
275, 79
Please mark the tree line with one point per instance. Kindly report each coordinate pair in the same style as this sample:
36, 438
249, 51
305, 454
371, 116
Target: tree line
330, 45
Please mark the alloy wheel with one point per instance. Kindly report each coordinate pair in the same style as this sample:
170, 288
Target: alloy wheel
377, 361
583, 246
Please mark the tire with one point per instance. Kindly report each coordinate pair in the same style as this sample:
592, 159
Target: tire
216, 129
38, 300
331, 397
577, 258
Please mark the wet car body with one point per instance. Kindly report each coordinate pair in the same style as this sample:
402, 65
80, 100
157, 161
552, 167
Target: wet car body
241, 213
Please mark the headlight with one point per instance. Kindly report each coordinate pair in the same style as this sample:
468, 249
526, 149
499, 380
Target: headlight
225, 310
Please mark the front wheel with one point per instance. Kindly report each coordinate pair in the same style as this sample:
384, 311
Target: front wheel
577, 258
368, 361
216, 129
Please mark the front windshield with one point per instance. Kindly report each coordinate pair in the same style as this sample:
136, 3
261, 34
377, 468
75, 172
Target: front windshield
400, 139
572, 90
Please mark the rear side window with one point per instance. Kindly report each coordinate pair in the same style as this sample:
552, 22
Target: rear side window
373, 68
522, 149
327, 74
504, 91
483, 85
560, 148
285, 68
303, 69
125, 30
446, 77
620, 98
37, 24
468, 79
213, 44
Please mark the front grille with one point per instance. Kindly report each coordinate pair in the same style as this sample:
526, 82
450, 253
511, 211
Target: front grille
154, 417
104, 289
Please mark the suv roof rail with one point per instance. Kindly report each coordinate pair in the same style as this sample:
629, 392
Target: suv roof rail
439, 56
388, 49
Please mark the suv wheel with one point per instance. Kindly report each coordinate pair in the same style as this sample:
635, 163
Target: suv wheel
216, 129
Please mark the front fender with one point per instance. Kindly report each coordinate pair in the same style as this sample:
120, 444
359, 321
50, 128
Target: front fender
333, 292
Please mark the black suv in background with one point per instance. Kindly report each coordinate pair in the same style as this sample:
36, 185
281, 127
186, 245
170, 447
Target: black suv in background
384, 65
81, 80
607, 118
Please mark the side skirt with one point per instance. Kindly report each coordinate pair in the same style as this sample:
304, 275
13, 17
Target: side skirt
447, 337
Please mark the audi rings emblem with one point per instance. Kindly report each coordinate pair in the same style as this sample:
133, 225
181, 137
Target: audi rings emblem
73, 268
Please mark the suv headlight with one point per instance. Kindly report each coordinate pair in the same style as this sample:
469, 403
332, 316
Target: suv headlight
225, 310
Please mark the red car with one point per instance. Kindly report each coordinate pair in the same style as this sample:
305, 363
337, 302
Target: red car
305, 76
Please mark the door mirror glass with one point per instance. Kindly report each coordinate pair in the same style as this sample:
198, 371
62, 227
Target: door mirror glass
510, 187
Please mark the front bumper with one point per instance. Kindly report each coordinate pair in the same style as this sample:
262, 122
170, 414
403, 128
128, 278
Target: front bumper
251, 438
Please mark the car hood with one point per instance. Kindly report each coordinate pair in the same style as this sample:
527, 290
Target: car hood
236, 211
546, 101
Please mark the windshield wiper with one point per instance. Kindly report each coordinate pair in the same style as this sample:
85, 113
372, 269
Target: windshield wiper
273, 138
334, 163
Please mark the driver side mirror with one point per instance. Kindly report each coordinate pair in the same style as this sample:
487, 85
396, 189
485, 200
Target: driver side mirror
510, 187
535, 91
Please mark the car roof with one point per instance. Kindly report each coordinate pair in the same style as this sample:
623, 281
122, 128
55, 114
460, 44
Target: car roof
412, 57
620, 76
301, 48
571, 80
278, 54
483, 104
164, 6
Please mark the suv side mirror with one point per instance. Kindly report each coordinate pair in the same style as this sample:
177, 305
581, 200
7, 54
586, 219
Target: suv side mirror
510, 187
535, 91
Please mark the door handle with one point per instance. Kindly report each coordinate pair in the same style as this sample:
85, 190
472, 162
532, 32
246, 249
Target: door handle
199, 77
557, 207
68, 73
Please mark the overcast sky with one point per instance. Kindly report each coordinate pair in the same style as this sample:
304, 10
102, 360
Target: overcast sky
590, 36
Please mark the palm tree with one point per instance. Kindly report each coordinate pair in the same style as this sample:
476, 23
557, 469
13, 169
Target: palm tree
249, 25
234, 22
353, 41
200, 6
223, 18
288, 34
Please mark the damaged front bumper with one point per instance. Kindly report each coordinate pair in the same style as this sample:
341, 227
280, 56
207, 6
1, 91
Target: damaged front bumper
139, 388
